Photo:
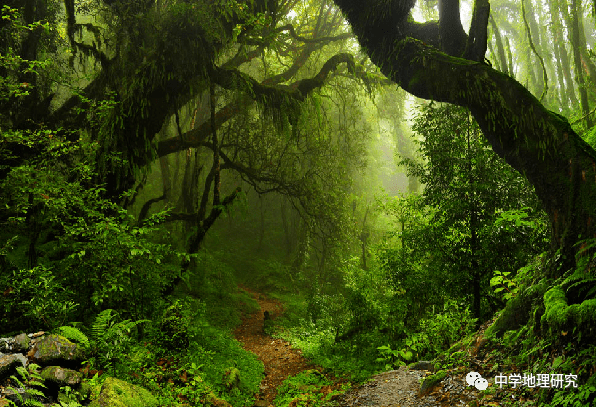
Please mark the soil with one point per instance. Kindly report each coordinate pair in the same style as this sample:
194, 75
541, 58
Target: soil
279, 358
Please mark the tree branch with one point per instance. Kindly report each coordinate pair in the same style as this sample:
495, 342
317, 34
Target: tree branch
290, 29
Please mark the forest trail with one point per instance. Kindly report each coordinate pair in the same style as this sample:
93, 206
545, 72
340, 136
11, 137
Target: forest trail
278, 357
395, 388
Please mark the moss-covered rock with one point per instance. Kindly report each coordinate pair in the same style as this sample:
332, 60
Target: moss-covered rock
518, 309
55, 348
212, 400
61, 376
118, 393
431, 382
21, 343
7, 365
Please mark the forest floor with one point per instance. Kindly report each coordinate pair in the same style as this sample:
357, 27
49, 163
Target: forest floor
279, 358
395, 388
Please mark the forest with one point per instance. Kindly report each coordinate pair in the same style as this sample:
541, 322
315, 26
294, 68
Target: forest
284, 203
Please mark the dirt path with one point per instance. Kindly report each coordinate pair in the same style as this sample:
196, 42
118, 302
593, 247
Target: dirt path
397, 388
279, 359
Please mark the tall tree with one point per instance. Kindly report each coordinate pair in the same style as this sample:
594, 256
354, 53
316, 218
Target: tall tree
434, 60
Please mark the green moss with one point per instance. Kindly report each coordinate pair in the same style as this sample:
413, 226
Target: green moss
57, 347
559, 315
118, 393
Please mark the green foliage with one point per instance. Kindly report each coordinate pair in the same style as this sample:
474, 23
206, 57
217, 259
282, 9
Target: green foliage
111, 339
55, 218
308, 388
15, 66
393, 358
503, 284
436, 334
217, 353
173, 329
30, 380
74, 335
24, 288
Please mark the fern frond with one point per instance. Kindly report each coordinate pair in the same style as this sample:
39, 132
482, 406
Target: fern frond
15, 391
102, 323
74, 334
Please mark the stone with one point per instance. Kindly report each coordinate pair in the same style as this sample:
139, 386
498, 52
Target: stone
61, 376
55, 348
423, 365
118, 393
22, 358
18, 396
21, 343
431, 382
5, 345
7, 365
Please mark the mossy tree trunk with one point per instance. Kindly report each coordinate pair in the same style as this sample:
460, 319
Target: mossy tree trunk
538, 143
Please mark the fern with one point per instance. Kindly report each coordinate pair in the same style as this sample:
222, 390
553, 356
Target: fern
101, 323
74, 334
111, 339
28, 378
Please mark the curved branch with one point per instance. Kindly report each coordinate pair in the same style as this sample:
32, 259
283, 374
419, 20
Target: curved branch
290, 29
233, 79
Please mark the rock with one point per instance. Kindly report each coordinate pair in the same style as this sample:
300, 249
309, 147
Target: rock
423, 365
55, 348
431, 382
61, 376
21, 343
5, 345
7, 364
118, 393
213, 401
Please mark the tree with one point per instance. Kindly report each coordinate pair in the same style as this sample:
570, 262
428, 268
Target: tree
469, 188
438, 60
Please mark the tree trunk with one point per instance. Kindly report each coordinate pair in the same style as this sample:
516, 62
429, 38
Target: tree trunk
538, 143
503, 65
555, 34
578, 67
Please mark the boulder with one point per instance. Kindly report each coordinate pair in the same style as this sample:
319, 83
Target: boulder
118, 393
55, 348
21, 343
61, 376
8, 363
